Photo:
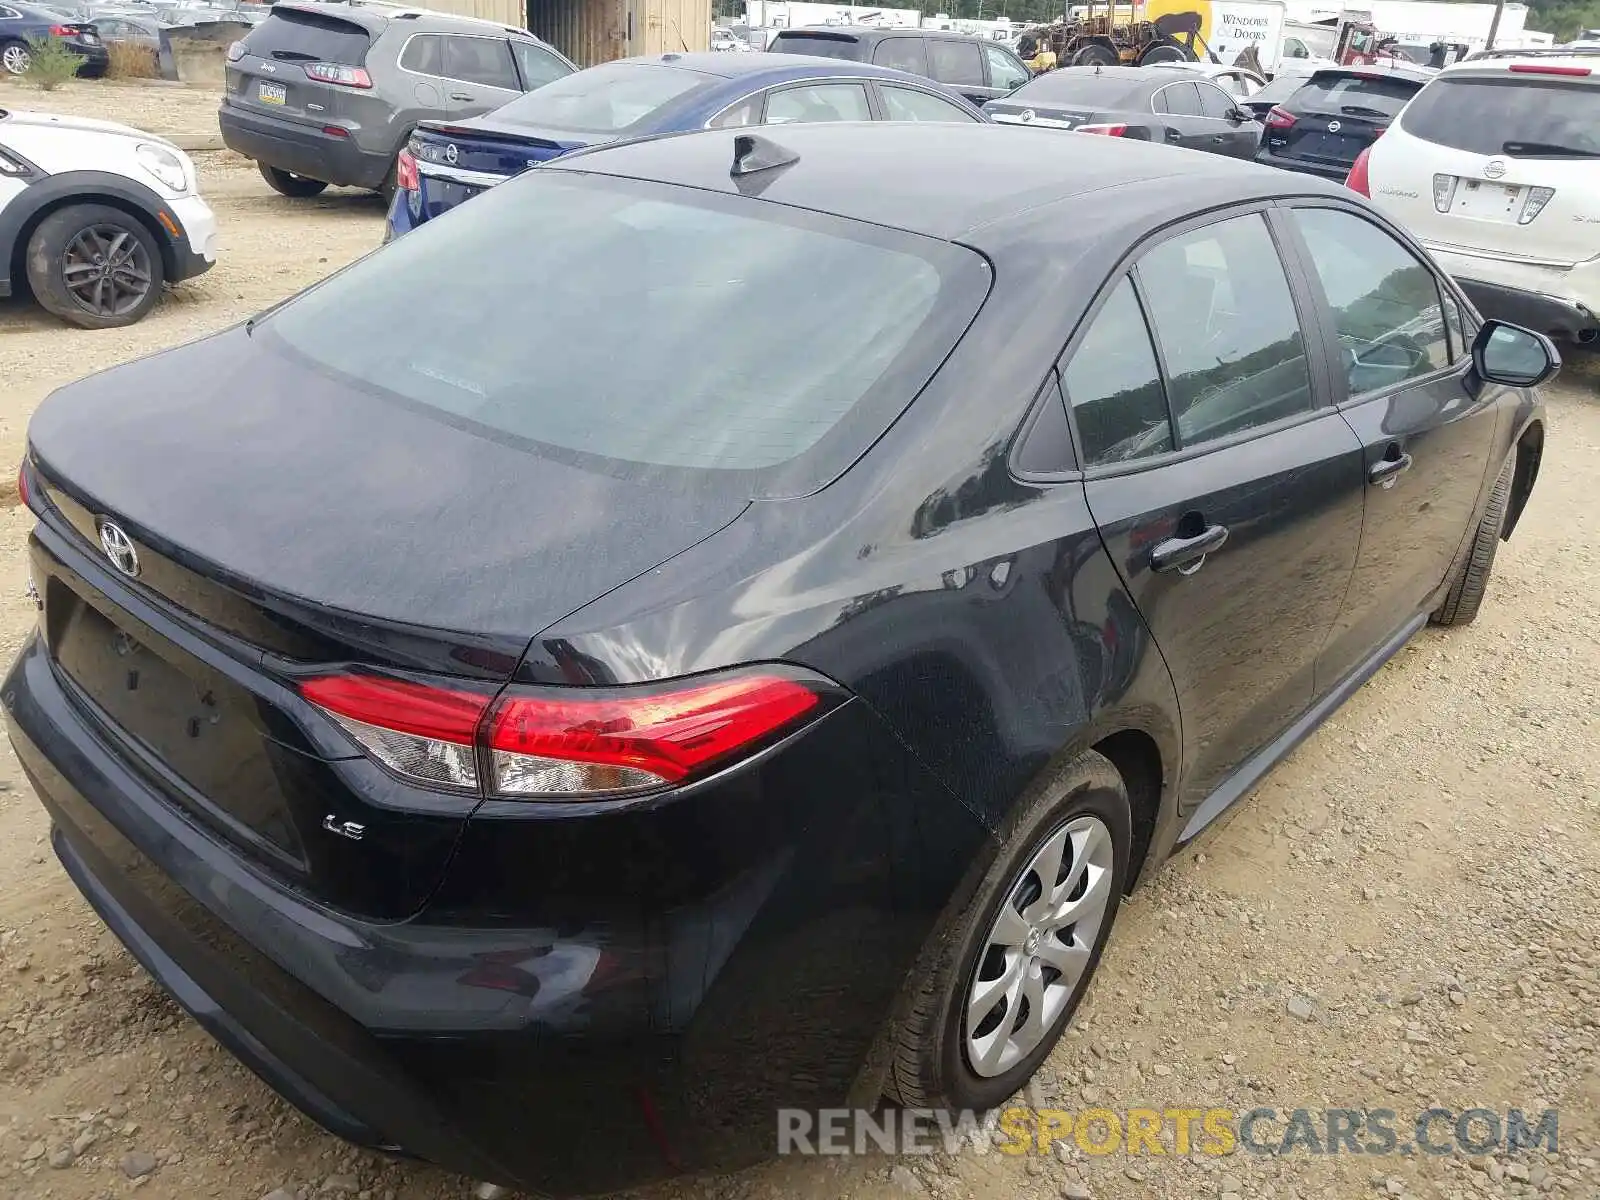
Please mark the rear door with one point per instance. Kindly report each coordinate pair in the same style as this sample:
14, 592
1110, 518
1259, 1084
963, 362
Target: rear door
1403, 384
1338, 114
1227, 491
1500, 162
479, 74
271, 75
1178, 104
1227, 134
958, 63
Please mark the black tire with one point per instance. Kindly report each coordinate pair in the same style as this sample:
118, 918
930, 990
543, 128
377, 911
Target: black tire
15, 56
71, 243
390, 183
929, 1065
1461, 602
1164, 50
285, 183
1095, 55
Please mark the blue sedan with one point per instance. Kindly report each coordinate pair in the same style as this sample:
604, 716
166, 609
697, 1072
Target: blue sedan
446, 163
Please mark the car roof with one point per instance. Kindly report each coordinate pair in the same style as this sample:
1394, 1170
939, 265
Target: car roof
981, 184
1567, 60
1129, 75
778, 66
868, 33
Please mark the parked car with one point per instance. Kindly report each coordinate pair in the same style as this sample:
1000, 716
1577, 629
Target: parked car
1278, 91
697, 660
1145, 104
1239, 82
1336, 115
979, 68
95, 217
726, 41
445, 164
322, 93
22, 25
1495, 166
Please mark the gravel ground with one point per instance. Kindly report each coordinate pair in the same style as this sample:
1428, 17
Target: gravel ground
1403, 915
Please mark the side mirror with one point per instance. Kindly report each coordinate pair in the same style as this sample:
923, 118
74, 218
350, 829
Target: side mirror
1240, 115
1516, 357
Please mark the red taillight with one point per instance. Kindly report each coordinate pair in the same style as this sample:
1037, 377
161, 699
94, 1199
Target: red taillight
1550, 69
405, 172
1105, 130
1280, 118
338, 131
64, 30
1356, 181
22, 483
326, 72
559, 742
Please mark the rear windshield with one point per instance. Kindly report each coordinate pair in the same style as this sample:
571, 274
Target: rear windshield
822, 45
646, 327
612, 98
290, 35
1339, 93
1519, 117
1070, 87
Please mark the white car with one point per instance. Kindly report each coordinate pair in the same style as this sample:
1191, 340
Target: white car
1495, 167
103, 217
1236, 81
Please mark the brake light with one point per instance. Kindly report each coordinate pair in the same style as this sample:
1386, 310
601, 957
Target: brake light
561, 743
1104, 130
405, 172
326, 72
22, 483
1547, 69
1534, 205
235, 51
64, 30
1356, 181
1444, 192
1280, 118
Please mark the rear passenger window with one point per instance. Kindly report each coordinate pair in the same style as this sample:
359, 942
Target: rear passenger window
954, 62
1385, 302
903, 54
908, 104
818, 102
746, 112
485, 61
1114, 387
1179, 100
424, 54
1226, 324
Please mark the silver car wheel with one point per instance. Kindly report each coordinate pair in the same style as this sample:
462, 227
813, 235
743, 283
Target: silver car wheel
16, 59
1034, 958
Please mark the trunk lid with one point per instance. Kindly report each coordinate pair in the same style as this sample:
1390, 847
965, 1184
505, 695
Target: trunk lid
310, 524
456, 162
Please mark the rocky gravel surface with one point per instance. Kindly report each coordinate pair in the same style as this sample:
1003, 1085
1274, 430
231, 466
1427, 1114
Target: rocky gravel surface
1403, 916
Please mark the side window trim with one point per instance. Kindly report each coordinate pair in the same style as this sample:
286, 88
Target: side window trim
1292, 241
1051, 392
1324, 401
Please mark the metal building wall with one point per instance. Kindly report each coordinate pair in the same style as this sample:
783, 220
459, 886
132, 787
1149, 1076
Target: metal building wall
504, 12
597, 31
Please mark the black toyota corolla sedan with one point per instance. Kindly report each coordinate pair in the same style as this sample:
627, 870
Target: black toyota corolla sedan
547, 703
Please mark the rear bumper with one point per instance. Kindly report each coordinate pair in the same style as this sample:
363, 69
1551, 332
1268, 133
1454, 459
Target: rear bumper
300, 149
1267, 158
571, 1045
1562, 301
1553, 315
96, 59
405, 214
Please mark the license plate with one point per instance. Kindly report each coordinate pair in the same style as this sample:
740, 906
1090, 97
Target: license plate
271, 93
1490, 201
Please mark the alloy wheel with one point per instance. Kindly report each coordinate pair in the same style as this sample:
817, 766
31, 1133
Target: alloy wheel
16, 59
107, 270
1034, 958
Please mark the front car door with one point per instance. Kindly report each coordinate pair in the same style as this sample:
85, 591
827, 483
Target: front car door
480, 75
1006, 72
1230, 133
1403, 382
957, 62
1226, 488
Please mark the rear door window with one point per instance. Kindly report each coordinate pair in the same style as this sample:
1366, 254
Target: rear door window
1385, 302
814, 102
901, 53
424, 54
956, 62
537, 66
481, 60
1229, 333
1114, 385
293, 35
1522, 116
1178, 100
912, 104
691, 332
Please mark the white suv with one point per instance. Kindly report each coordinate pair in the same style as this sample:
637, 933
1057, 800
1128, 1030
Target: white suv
95, 217
1495, 166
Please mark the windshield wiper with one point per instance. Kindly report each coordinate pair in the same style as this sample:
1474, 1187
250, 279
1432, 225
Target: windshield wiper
1361, 110
293, 56
1550, 148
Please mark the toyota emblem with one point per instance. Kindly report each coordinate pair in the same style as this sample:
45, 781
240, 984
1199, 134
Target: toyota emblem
1494, 169
1334, 127
119, 548
451, 153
